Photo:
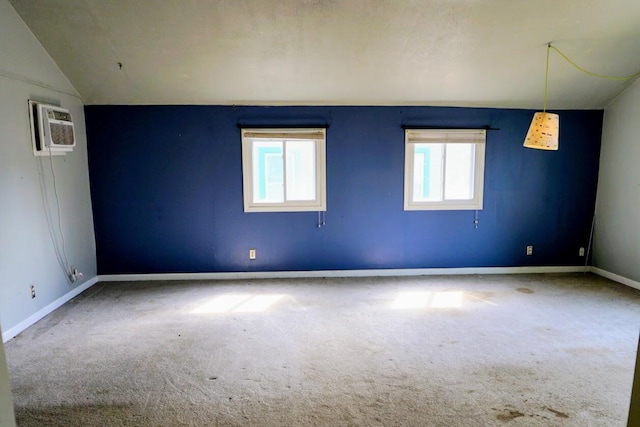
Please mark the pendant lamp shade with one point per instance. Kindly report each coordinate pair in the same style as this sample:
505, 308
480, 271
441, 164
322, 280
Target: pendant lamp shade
543, 132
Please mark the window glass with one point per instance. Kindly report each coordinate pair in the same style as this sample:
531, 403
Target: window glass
268, 176
283, 170
301, 170
458, 178
444, 169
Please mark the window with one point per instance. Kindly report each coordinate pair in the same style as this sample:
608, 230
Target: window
444, 169
283, 170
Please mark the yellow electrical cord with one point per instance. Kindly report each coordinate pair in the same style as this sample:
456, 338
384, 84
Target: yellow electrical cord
546, 80
601, 76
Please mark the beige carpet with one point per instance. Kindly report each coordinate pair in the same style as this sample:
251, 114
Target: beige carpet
522, 350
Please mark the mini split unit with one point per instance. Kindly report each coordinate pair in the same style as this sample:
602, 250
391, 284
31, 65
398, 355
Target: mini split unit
52, 130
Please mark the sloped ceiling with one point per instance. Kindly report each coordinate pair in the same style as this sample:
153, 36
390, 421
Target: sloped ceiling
339, 52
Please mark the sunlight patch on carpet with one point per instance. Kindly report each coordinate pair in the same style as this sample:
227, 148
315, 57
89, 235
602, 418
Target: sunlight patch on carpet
420, 300
238, 303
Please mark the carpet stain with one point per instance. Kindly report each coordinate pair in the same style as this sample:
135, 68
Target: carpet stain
509, 415
481, 295
525, 290
557, 413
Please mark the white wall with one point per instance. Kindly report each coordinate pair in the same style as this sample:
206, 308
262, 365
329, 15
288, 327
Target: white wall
616, 247
27, 253
6, 404
634, 406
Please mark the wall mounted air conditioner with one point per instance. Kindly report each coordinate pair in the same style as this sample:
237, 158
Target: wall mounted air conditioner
52, 131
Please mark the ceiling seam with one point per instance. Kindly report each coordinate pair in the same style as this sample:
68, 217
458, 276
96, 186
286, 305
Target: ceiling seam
24, 79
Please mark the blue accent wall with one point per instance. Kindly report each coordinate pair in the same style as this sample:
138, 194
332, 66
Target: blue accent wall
166, 188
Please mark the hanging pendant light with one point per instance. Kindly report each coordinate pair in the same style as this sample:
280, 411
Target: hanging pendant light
545, 127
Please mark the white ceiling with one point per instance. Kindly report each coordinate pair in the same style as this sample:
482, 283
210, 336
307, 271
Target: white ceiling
339, 52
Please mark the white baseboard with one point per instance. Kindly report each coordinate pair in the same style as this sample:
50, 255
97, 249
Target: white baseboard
616, 277
12, 332
340, 273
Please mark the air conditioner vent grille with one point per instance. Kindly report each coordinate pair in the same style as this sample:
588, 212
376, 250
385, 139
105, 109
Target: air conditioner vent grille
61, 134
60, 115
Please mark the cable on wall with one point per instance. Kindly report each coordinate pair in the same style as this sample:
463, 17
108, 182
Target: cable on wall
55, 192
59, 247
48, 215
586, 258
322, 219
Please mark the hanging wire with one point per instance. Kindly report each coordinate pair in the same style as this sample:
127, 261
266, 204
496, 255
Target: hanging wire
322, 219
55, 192
590, 73
586, 258
546, 80
49, 215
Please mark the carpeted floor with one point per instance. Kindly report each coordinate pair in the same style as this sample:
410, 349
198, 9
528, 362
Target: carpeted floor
518, 350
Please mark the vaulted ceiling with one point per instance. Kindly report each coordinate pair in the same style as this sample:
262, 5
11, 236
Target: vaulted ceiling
339, 52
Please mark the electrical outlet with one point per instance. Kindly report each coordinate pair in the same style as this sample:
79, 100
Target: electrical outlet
252, 254
75, 275
33, 291
581, 252
529, 250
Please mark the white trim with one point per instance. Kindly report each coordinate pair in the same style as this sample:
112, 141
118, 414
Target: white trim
616, 277
339, 273
12, 332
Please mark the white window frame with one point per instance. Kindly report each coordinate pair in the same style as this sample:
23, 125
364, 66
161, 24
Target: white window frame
316, 134
444, 136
